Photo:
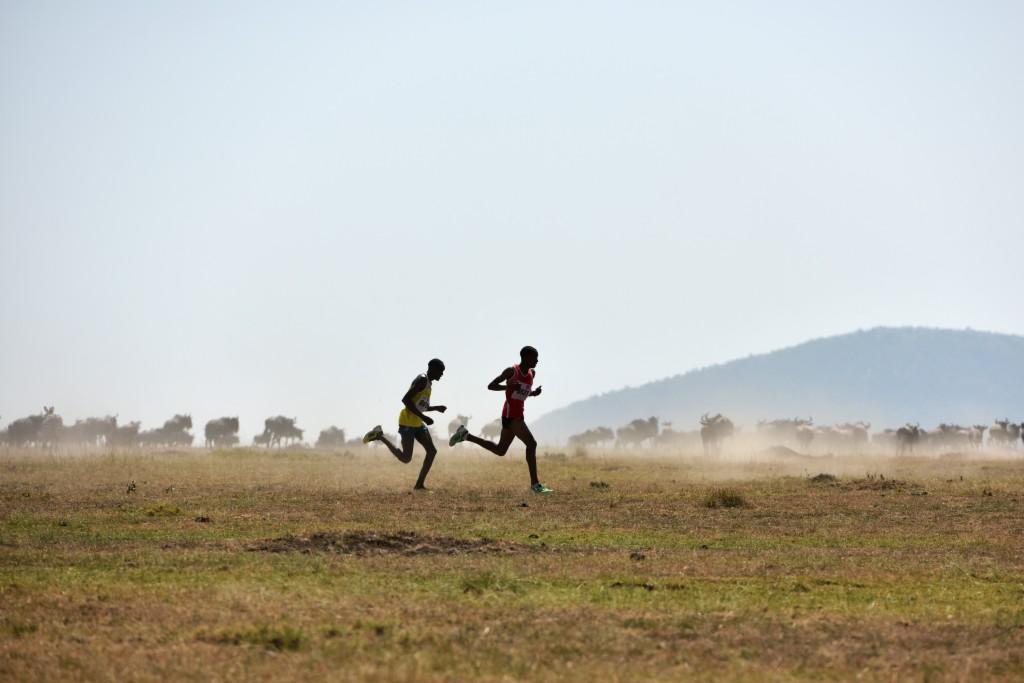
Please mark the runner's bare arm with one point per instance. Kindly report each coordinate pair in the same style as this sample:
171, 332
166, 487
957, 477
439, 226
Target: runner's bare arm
536, 392
415, 388
496, 383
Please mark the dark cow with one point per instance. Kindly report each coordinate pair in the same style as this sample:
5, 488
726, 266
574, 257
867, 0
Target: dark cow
592, 437
332, 437
51, 430
92, 431
25, 430
125, 436
671, 438
907, 436
221, 432
281, 430
714, 430
164, 437
173, 433
1004, 433
178, 423
636, 432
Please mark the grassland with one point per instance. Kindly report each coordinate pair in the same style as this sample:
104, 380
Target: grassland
240, 564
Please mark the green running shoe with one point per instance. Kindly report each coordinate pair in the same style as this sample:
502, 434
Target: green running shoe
373, 434
540, 488
459, 436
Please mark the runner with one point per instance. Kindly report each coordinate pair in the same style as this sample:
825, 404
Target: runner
518, 386
412, 423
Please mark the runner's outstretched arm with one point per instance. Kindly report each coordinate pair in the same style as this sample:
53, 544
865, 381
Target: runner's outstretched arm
496, 383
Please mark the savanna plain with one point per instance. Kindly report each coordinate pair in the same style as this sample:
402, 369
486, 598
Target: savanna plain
244, 564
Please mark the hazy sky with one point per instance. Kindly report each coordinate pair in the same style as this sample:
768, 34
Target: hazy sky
259, 208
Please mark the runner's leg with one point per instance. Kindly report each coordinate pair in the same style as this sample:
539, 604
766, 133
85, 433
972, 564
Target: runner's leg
500, 448
523, 433
404, 455
423, 436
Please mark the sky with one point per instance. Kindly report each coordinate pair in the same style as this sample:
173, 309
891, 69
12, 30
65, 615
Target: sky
262, 208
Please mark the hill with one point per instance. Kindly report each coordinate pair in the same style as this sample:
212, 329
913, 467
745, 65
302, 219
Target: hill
887, 376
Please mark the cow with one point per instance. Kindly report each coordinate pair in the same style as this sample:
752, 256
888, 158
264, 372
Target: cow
92, 431
976, 436
636, 432
781, 432
221, 432
51, 430
174, 432
163, 436
804, 436
848, 436
951, 436
178, 423
907, 436
281, 429
886, 439
332, 437
125, 436
25, 430
713, 431
671, 438
592, 437
491, 430
1004, 433
856, 433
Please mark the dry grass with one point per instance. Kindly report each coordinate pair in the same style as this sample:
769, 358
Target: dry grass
248, 565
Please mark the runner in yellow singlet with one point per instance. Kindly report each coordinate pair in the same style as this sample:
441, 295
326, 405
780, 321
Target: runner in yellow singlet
412, 421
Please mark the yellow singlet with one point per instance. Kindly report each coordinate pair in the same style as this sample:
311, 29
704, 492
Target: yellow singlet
421, 400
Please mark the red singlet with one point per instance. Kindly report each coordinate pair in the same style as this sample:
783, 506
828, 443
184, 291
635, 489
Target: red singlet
515, 401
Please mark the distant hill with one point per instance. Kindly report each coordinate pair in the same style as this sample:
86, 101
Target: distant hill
887, 376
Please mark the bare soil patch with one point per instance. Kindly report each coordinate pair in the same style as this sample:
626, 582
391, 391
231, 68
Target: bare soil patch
406, 543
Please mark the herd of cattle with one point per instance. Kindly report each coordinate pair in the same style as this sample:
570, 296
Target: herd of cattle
47, 430
803, 435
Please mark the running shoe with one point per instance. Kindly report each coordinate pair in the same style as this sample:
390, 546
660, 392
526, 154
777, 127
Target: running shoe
540, 488
373, 434
459, 436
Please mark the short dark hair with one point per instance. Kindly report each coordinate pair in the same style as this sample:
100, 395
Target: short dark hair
527, 351
434, 362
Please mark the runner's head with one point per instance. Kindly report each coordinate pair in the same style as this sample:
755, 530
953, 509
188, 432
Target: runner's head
528, 357
435, 368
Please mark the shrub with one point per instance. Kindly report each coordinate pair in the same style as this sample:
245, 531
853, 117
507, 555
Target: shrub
163, 510
271, 637
724, 498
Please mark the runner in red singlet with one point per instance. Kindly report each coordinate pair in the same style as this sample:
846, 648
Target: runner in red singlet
518, 386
